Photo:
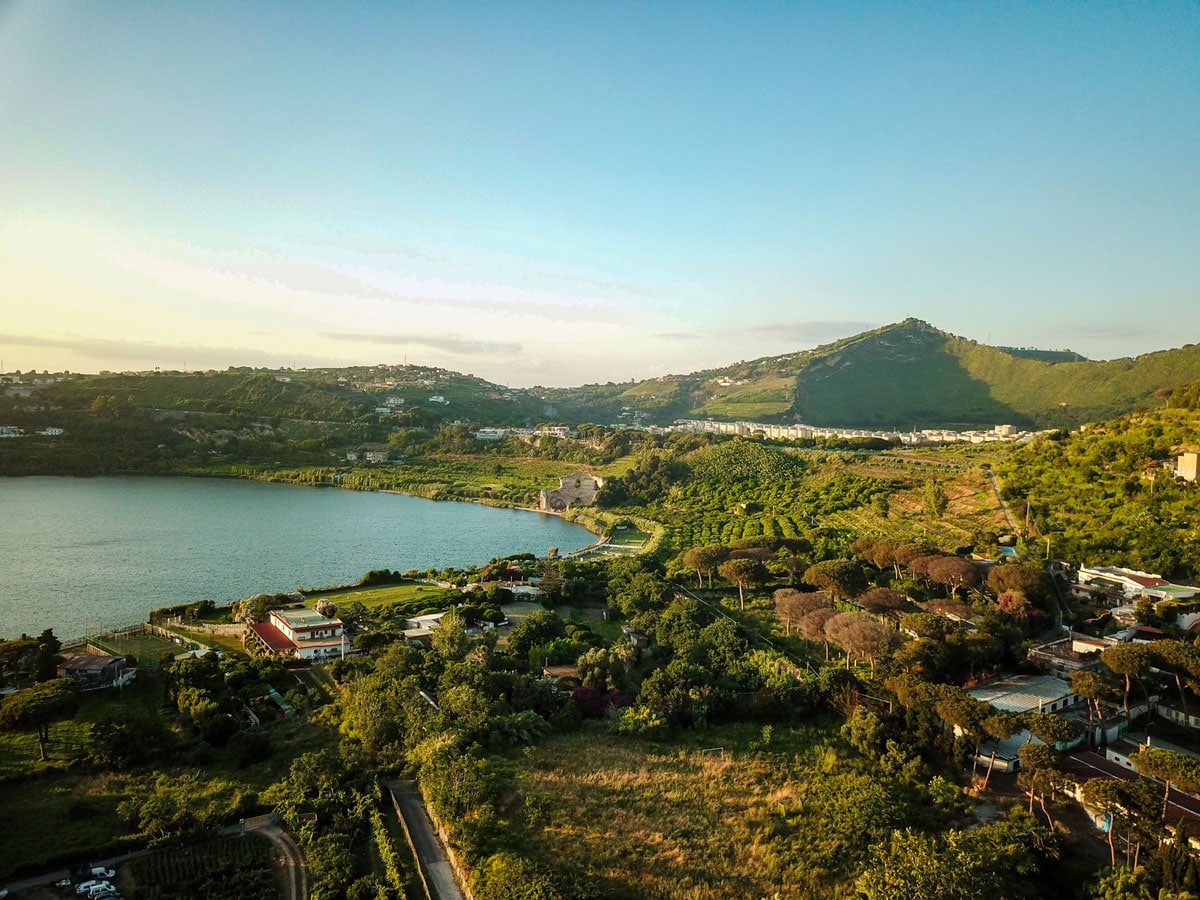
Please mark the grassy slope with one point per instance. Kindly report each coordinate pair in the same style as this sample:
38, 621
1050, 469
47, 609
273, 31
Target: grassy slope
904, 375
661, 821
915, 375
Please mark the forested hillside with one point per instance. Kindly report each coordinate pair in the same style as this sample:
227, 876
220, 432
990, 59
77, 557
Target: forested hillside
904, 376
1107, 493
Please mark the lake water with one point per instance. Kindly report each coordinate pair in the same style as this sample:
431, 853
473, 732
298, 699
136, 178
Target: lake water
80, 553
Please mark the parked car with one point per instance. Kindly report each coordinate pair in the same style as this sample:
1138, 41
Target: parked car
101, 872
86, 887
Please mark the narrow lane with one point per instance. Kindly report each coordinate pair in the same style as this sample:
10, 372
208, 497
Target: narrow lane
436, 871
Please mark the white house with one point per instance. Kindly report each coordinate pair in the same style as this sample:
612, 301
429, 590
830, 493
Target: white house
302, 633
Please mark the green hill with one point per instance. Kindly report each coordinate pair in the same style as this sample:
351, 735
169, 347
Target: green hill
1107, 493
901, 376
906, 375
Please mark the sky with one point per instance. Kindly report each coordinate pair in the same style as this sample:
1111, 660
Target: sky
562, 193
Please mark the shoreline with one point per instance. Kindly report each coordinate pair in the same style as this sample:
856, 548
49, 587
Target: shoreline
472, 556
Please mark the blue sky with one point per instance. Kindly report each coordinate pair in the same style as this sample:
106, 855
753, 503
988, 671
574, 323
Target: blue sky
561, 193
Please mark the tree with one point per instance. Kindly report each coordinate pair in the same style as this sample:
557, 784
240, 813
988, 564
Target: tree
1130, 661
19, 655
1041, 774
507, 876
639, 592
1093, 687
449, 638
742, 572
999, 727
606, 668
36, 708
1104, 796
1027, 578
841, 577
353, 614
795, 567
935, 500
705, 560
954, 572
1169, 767
904, 554
534, 630
552, 583
1181, 660
882, 600
812, 625
791, 605
858, 634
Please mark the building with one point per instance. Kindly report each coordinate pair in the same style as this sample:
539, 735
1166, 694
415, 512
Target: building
1070, 654
300, 633
1121, 585
1026, 693
94, 671
1186, 467
1021, 694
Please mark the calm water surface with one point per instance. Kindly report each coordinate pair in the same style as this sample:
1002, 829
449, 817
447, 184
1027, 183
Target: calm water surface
79, 553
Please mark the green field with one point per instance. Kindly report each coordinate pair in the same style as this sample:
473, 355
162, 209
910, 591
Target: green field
146, 647
383, 595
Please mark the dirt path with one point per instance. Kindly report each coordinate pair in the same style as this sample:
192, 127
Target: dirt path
295, 867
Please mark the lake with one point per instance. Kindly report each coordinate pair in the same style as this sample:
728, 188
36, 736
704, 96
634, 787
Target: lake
77, 554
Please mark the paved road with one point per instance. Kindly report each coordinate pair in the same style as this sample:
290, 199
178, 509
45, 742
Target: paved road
431, 856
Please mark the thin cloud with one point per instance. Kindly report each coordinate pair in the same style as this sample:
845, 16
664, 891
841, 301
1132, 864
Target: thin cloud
811, 331
446, 343
170, 355
679, 336
1112, 332
297, 276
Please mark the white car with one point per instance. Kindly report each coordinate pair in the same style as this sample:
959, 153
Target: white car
87, 886
101, 872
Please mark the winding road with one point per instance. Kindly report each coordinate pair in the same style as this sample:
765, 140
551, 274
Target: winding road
293, 861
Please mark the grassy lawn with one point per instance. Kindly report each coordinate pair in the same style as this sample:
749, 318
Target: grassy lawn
382, 595
69, 739
147, 648
663, 821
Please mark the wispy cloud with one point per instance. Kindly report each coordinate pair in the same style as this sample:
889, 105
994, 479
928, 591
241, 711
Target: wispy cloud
812, 331
446, 343
1101, 332
195, 355
679, 336
303, 277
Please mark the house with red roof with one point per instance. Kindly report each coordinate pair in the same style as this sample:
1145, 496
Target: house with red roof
300, 633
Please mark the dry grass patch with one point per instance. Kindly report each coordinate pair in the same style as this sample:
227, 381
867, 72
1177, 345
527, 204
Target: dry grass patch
654, 821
